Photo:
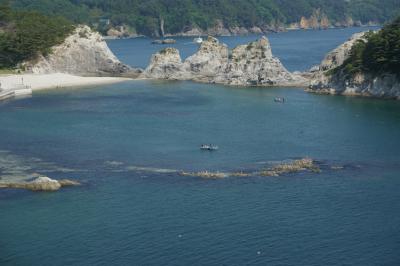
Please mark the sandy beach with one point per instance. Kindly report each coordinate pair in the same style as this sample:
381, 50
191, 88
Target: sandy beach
53, 81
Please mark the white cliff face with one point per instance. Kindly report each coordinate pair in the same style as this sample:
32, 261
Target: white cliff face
324, 82
211, 58
251, 64
83, 53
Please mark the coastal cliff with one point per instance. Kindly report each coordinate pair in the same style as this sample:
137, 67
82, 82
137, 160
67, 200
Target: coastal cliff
83, 53
247, 65
343, 72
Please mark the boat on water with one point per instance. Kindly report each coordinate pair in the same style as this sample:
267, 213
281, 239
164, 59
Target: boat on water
208, 147
198, 40
279, 100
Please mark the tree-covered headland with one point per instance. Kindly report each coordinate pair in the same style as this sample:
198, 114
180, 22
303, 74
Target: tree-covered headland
378, 54
26, 34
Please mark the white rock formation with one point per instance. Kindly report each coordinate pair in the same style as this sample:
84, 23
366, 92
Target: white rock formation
252, 64
210, 59
83, 53
166, 64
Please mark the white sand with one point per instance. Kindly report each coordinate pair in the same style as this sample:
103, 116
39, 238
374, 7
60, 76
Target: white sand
53, 81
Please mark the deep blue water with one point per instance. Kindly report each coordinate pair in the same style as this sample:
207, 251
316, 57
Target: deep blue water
124, 142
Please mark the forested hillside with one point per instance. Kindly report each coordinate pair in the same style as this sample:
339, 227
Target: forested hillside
146, 16
24, 35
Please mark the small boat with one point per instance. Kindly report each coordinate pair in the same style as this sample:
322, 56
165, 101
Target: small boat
208, 147
279, 100
198, 40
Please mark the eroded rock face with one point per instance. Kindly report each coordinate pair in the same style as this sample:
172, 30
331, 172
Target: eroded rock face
83, 53
384, 86
251, 64
166, 64
324, 82
254, 64
211, 58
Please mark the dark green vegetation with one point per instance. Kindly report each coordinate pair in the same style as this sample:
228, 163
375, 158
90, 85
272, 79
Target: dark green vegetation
145, 16
24, 35
378, 55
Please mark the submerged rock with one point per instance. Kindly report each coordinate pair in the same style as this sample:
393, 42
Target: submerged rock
296, 166
305, 164
252, 64
205, 174
41, 183
83, 53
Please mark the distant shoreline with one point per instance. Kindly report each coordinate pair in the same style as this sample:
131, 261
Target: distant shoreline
205, 34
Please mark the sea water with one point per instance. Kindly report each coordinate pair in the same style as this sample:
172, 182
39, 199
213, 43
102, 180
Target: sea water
127, 143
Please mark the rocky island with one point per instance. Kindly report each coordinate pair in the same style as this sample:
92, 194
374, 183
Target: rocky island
246, 65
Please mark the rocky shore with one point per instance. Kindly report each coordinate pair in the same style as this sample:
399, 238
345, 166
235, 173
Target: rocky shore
246, 65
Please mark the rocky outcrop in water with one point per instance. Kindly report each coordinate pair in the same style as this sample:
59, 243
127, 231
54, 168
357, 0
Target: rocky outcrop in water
324, 81
42, 183
83, 53
166, 64
252, 64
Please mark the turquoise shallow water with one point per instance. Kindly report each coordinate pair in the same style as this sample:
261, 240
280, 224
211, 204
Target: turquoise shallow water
124, 142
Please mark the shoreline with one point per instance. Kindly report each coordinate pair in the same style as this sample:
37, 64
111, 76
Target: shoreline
54, 81
205, 34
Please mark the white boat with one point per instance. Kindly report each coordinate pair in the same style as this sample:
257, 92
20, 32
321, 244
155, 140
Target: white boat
198, 40
208, 147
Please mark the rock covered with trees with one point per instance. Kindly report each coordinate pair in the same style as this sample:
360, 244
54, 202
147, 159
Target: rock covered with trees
367, 65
